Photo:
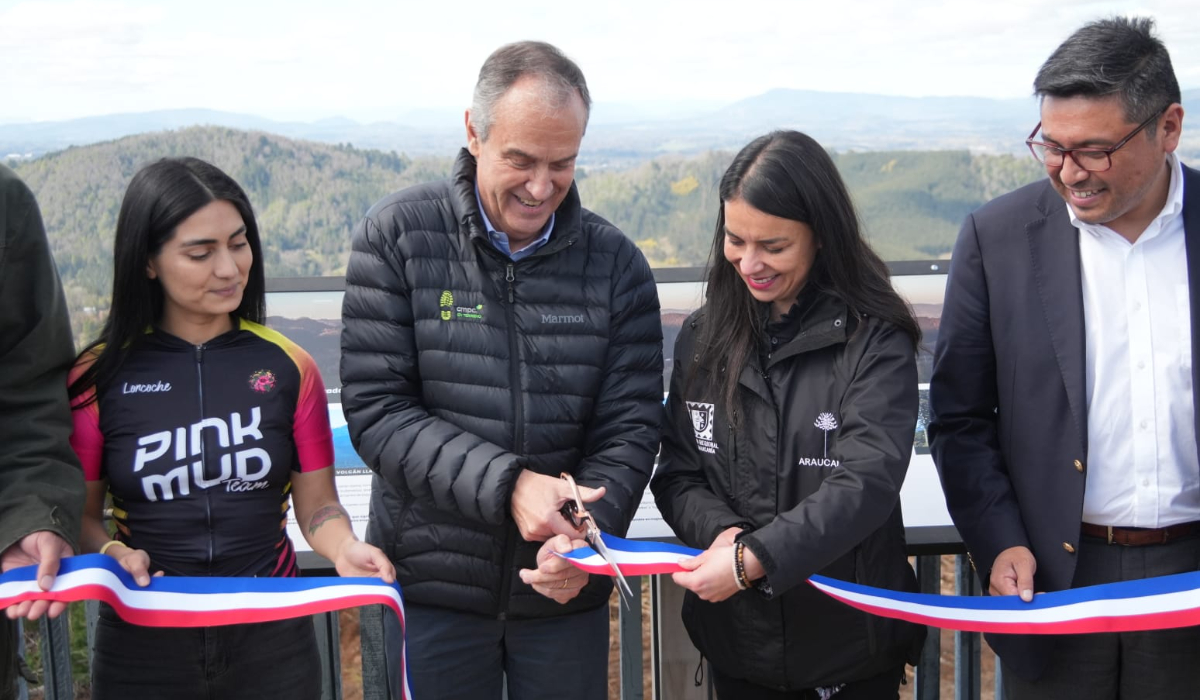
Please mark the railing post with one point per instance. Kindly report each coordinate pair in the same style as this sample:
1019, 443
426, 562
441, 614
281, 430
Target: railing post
966, 644
55, 644
928, 676
374, 655
22, 684
91, 612
329, 650
630, 626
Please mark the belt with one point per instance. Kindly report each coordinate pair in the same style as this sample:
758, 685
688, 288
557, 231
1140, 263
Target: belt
1139, 536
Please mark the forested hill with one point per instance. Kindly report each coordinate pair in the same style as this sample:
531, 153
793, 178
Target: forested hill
309, 197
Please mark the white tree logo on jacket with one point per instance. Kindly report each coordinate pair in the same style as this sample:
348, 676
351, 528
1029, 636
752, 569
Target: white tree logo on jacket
826, 422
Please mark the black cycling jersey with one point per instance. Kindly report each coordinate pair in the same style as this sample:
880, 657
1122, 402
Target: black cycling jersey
198, 444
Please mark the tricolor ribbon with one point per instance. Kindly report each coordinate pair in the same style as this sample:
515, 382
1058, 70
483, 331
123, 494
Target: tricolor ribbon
1158, 603
633, 557
186, 601
1164, 602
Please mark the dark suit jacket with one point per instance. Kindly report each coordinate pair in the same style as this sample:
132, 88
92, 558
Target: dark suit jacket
1009, 404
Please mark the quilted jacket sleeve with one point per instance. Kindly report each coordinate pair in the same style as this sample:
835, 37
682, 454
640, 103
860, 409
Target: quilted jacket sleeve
398, 438
622, 436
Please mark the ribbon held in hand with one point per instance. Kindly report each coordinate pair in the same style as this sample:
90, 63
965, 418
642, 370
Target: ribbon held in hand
187, 601
1129, 606
1158, 603
632, 557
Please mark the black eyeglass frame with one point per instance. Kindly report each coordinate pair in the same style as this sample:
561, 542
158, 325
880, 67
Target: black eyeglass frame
1065, 152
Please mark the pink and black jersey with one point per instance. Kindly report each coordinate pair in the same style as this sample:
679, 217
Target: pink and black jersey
198, 443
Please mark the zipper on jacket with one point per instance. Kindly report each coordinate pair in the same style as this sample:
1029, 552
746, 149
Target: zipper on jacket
204, 453
514, 379
733, 480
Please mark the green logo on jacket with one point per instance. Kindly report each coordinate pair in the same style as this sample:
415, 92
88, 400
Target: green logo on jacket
463, 313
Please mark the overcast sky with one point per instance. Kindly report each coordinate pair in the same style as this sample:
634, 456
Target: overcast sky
61, 59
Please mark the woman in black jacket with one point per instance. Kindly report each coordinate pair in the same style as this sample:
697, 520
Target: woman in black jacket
788, 432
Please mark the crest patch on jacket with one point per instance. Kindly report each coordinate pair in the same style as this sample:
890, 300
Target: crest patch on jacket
702, 423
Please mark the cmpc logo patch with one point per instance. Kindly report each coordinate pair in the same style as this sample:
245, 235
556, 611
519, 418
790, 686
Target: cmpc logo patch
450, 312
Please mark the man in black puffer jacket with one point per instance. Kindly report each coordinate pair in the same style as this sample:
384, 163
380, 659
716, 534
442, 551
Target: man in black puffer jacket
497, 334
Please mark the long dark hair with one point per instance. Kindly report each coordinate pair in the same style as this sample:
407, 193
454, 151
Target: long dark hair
789, 175
161, 196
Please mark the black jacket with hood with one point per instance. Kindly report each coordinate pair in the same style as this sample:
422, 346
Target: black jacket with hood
812, 472
461, 367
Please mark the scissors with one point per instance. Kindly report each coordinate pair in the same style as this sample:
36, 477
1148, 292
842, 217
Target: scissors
579, 517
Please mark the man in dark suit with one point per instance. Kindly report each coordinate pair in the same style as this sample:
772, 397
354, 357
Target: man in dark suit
1064, 416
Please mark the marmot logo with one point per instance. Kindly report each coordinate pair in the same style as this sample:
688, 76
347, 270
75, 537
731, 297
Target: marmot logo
568, 318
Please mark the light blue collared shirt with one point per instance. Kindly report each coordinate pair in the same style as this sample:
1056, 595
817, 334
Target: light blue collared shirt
500, 239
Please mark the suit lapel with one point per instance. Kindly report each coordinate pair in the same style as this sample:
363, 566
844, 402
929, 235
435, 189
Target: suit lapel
1191, 237
1054, 253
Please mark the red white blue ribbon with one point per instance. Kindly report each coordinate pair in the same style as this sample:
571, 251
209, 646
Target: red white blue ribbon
184, 601
1129, 606
1158, 603
632, 557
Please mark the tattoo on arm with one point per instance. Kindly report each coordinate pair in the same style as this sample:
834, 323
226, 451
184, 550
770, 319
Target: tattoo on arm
324, 515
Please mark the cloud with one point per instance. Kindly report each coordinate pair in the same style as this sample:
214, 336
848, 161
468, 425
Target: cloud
372, 59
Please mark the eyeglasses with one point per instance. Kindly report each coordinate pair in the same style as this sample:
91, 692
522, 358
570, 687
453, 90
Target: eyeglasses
1094, 160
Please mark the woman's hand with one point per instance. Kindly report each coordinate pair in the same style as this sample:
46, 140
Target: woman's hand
710, 575
357, 558
135, 561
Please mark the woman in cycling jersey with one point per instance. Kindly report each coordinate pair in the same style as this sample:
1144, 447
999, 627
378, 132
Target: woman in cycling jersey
202, 424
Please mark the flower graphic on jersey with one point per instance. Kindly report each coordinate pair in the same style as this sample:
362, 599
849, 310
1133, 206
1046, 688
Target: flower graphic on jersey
446, 301
262, 381
826, 422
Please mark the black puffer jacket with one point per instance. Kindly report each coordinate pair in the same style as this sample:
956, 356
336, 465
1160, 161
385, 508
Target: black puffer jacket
813, 472
461, 367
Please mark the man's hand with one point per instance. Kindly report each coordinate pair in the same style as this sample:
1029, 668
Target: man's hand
45, 549
536, 501
1012, 573
555, 577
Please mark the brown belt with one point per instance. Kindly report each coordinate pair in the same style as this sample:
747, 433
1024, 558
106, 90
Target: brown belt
1139, 536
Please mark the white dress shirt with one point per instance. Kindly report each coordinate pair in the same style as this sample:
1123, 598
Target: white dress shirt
1142, 466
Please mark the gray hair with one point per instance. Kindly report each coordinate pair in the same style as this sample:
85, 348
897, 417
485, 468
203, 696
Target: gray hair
1118, 56
511, 62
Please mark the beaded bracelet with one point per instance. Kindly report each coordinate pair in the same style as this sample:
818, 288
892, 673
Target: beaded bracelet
739, 566
104, 547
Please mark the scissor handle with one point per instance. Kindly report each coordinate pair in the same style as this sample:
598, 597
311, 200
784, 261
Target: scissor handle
573, 510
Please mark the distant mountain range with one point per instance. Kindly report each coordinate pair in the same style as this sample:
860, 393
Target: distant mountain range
622, 134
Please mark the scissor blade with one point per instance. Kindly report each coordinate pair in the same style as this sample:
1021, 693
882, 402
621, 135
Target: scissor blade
622, 584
